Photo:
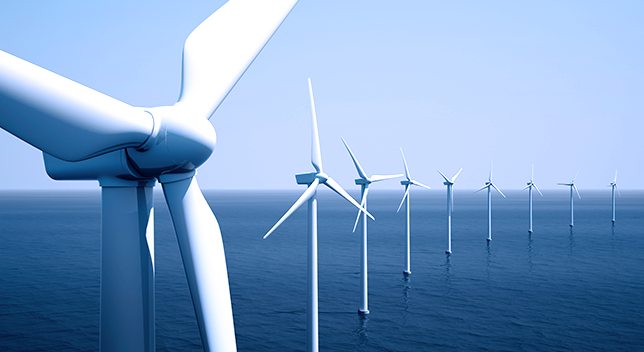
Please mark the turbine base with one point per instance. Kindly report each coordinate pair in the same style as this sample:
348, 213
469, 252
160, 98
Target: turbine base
363, 312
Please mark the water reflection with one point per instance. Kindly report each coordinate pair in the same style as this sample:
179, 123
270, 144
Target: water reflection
530, 265
572, 241
488, 261
361, 333
406, 288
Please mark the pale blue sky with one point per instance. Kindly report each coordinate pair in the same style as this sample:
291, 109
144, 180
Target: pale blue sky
557, 84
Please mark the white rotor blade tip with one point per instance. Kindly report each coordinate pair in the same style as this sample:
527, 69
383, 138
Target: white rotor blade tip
316, 154
458, 173
361, 172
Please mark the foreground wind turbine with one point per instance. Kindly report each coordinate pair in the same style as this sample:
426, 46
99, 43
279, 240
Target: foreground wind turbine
86, 135
572, 186
529, 188
489, 185
313, 179
450, 207
364, 181
613, 186
407, 183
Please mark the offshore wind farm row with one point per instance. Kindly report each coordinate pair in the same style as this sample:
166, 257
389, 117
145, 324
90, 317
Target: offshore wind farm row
317, 177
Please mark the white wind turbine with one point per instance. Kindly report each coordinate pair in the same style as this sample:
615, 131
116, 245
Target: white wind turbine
572, 186
313, 179
613, 186
529, 188
489, 185
450, 207
407, 183
86, 135
364, 181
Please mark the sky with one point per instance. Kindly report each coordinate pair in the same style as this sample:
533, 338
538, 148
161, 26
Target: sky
554, 84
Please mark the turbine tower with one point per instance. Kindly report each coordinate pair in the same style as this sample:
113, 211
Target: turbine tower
572, 186
529, 188
86, 135
489, 185
407, 183
364, 181
450, 207
613, 186
313, 179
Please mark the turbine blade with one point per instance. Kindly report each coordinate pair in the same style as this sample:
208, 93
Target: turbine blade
405, 163
363, 203
63, 118
532, 174
376, 178
526, 187
537, 188
482, 188
618, 193
574, 179
298, 203
455, 176
339, 190
445, 177
203, 256
414, 182
498, 190
403, 198
564, 184
575, 187
316, 154
361, 172
490, 178
615, 181
219, 51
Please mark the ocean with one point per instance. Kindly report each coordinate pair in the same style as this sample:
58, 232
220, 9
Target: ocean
557, 289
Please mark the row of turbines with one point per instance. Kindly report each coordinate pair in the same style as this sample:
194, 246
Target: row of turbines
317, 177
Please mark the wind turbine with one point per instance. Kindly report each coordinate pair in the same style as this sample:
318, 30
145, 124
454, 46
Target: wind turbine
572, 186
529, 188
489, 185
86, 135
313, 180
450, 207
613, 186
364, 181
407, 183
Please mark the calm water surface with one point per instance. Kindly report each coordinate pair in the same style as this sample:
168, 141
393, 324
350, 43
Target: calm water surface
559, 289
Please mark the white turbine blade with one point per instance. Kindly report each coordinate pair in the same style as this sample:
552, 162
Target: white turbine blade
564, 184
316, 154
615, 181
64, 118
618, 193
575, 187
416, 183
361, 172
403, 198
339, 190
526, 187
532, 175
445, 177
498, 190
405, 163
363, 203
377, 178
574, 179
455, 176
490, 178
298, 203
204, 261
537, 188
219, 51
482, 188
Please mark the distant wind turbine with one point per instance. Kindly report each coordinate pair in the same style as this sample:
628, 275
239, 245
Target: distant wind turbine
572, 186
313, 179
613, 186
364, 181
529, 188
407, 183
450, 207
489, 185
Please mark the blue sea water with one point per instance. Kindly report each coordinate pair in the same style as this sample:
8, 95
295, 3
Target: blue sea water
558, 289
